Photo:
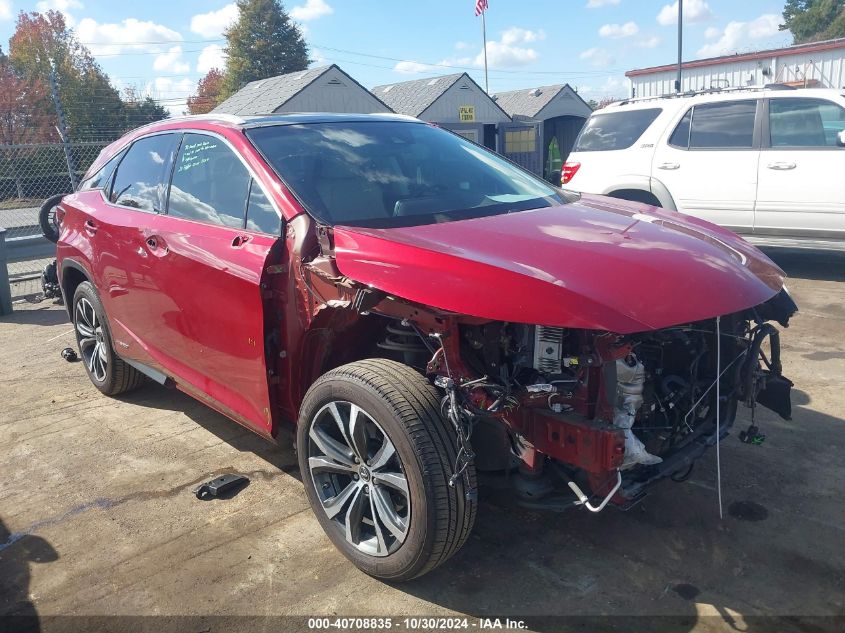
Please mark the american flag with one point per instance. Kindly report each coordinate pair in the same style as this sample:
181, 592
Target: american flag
480, 7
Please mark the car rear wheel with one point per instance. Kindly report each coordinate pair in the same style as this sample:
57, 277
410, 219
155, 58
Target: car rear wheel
376, 457
109, 373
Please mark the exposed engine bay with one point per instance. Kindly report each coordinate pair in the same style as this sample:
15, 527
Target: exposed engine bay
597, 412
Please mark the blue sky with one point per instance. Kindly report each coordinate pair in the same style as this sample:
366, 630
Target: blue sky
163, 47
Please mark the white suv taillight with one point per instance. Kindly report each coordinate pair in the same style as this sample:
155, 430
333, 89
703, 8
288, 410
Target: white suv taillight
568, 172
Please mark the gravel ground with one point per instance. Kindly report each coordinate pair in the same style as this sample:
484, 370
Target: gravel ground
97, 516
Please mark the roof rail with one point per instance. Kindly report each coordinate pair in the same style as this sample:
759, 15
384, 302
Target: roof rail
705, 91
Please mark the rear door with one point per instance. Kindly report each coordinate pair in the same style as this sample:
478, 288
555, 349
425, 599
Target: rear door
212, 248
801, 191
129, 207
708, 162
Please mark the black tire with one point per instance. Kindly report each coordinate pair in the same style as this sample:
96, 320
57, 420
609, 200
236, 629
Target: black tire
47, 217
113, 376
407, 409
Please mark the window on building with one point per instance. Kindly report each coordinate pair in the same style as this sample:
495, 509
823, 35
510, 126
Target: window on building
260, 214
210, 183
726, 125
141, 177
520, 141
805, 122
614, 130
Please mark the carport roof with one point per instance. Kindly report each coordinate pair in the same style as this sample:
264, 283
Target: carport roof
530, 102
265, 96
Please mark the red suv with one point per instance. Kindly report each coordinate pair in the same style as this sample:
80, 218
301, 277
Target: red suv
418, 309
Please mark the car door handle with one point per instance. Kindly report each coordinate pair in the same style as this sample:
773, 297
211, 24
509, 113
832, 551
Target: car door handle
781, 166
240, 240
90, 226
669, 166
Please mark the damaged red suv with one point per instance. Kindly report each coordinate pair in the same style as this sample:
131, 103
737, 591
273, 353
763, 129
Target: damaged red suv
416, 309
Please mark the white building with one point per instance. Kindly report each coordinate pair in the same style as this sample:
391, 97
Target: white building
816, 65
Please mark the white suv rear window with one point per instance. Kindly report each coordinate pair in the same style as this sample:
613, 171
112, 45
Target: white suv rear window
614, 130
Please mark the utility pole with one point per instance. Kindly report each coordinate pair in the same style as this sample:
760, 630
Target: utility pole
680, 45
61, 128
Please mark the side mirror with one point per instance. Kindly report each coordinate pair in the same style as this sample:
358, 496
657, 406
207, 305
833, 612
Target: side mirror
841, 141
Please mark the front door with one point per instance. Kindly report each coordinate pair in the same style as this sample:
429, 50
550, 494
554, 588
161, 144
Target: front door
208, 320
801, 193
708, 162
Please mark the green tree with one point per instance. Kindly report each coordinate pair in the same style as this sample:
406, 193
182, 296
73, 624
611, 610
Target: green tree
814, 20
264, 42
92, 105
140, 111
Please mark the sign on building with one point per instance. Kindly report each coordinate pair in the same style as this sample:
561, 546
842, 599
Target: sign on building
467, 114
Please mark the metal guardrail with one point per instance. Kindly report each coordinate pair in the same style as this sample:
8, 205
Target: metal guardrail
23, 248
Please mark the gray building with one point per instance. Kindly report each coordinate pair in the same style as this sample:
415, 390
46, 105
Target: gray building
325, 89
546, 121
455, 102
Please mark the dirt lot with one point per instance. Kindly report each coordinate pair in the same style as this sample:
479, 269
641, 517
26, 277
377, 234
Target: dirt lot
97, 515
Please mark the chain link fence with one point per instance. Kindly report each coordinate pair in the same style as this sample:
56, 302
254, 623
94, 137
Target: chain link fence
29, 174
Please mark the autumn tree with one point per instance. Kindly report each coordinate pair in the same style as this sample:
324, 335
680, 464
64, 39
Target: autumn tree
814, 20
92, 105
264, 42
209, 90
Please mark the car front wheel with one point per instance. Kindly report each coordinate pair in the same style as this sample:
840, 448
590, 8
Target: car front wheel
376, 457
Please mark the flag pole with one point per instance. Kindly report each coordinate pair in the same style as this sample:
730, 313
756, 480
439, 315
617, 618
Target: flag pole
484, 39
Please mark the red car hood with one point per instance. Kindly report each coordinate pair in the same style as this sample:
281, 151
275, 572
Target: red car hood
599, 263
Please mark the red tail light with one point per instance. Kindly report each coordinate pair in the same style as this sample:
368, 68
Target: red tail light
568, 172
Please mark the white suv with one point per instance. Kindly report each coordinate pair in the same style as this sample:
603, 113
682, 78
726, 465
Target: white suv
767, 163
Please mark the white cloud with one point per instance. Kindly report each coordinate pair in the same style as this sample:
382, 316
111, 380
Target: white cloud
649, 42
171, 61
171, 92
597, 57
712, 32
461, 46
409, 67
211, 56
510, 49
62, 6
131, 34
598, 4
694, 11
612, 87
213, 23
737, 34
5, 9
311, 10
618, 31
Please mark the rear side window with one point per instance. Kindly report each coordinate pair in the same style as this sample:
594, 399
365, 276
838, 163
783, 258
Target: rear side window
614, 130
805, 122
101, 178
727, 125
141, 177
210, 183
260, 214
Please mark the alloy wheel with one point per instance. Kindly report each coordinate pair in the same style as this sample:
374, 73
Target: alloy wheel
91, 338
359, 478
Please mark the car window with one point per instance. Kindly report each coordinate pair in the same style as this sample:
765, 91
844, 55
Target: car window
102, 176
141, 176
805, 122
680, 137
260, 214
724, 125
614, 130
396, 173
210, 184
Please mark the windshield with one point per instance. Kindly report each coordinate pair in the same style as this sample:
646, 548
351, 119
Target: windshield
395, 173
